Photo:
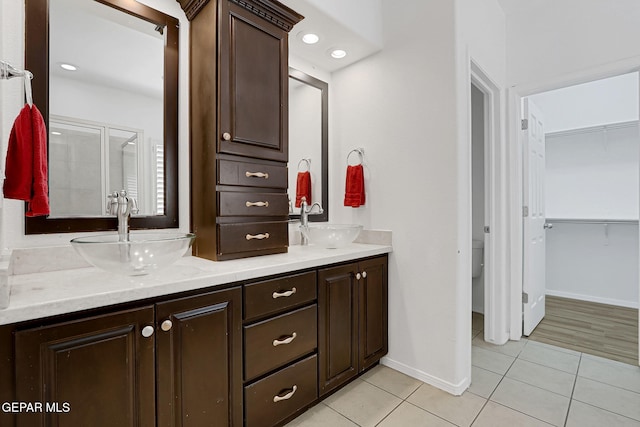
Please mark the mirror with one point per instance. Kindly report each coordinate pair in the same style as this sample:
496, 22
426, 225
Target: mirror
112, 121
309, 139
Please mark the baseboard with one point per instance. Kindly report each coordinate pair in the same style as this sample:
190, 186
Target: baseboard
591, 298
455, 389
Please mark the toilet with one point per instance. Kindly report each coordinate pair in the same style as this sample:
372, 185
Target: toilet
477, 258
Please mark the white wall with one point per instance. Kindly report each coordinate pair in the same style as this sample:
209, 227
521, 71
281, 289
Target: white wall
12, 49
600, 102
593, 262
549, 39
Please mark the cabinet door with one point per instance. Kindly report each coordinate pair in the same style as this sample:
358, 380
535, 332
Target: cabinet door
92, 372
199, 356
373, 307
254, 89
337, 326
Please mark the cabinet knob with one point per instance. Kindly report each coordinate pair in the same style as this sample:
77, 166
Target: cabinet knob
364, 274
358, 276
147, 331
226, 136
166, 325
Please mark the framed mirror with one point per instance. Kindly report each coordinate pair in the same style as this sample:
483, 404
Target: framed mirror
106, 82
309, 139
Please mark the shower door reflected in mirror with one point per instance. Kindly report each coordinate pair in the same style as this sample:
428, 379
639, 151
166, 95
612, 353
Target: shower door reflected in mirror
115, 90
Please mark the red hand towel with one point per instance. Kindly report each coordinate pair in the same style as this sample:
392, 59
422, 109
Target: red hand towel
303, 188
354, 187
26, 162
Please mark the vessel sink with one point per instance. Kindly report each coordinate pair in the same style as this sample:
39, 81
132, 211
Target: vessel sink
331, 235
143, 253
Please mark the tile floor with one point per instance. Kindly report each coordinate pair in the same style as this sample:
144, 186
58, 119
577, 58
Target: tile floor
523, 383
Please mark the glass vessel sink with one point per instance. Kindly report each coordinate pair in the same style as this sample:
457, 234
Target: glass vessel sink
331, 235
142, 254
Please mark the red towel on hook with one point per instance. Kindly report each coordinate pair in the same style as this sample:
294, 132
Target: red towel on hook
26, 162
354, 187
303, 188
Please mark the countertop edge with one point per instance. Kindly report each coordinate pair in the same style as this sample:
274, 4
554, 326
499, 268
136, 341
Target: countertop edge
40, 295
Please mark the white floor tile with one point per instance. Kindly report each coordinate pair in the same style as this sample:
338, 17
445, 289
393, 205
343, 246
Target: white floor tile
390, 380
490, 360
321, 416
554, 347
495, 415
536, 402
548, 356
542, 376
410, 415
605, 396
460, 410
483, 382
583, 415
510, 348
363, 403
611, 372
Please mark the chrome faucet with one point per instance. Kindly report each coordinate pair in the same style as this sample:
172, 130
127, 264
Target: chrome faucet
121, 205
305, 211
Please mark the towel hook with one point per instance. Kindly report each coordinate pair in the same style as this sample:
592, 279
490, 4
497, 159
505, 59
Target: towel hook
308, 163
360, 152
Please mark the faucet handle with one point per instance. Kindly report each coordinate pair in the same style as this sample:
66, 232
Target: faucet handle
112, 203
134, 206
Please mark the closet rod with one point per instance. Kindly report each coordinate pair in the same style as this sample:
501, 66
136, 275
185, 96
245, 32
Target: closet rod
592, 221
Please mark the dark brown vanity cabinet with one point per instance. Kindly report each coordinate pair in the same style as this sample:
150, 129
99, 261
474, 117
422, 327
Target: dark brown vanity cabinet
175, 363
280, 348
352, 320
239, 126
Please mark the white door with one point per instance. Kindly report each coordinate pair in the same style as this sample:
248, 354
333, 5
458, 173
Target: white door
533, 284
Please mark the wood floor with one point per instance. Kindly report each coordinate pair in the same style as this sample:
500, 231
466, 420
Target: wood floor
599, 329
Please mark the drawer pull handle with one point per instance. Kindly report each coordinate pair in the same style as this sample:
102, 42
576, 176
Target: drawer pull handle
287, 396
257, 236
284, 294
285, 341
256, 175
257, 204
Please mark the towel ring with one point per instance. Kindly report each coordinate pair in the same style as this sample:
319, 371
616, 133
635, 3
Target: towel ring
308, 162
360, 152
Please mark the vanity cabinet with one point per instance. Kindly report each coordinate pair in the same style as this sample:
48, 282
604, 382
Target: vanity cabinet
174, 363
352, 320
239, 126
280, 348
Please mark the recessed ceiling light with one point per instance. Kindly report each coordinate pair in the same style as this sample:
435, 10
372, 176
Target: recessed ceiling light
68, 67
53, 132
338, 53
310, 38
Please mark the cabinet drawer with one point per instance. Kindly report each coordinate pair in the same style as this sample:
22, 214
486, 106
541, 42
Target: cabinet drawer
275, 342
235, 203
252, 174
277, 295
280, 395
252, 236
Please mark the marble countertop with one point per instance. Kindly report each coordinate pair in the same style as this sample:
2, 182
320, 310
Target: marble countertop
44, 294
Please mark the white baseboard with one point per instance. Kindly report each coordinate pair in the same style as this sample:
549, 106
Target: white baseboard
591, 298
455, 389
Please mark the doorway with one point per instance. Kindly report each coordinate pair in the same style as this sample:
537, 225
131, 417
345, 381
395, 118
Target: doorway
591, 198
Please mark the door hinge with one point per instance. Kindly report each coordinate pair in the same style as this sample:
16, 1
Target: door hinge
524, 124
486, 229
525, 211
525, 298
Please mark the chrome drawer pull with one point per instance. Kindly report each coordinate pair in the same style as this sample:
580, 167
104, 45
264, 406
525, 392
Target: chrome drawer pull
287, 396
285, 341
284, 294
257, 204
257, 236
256, 175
